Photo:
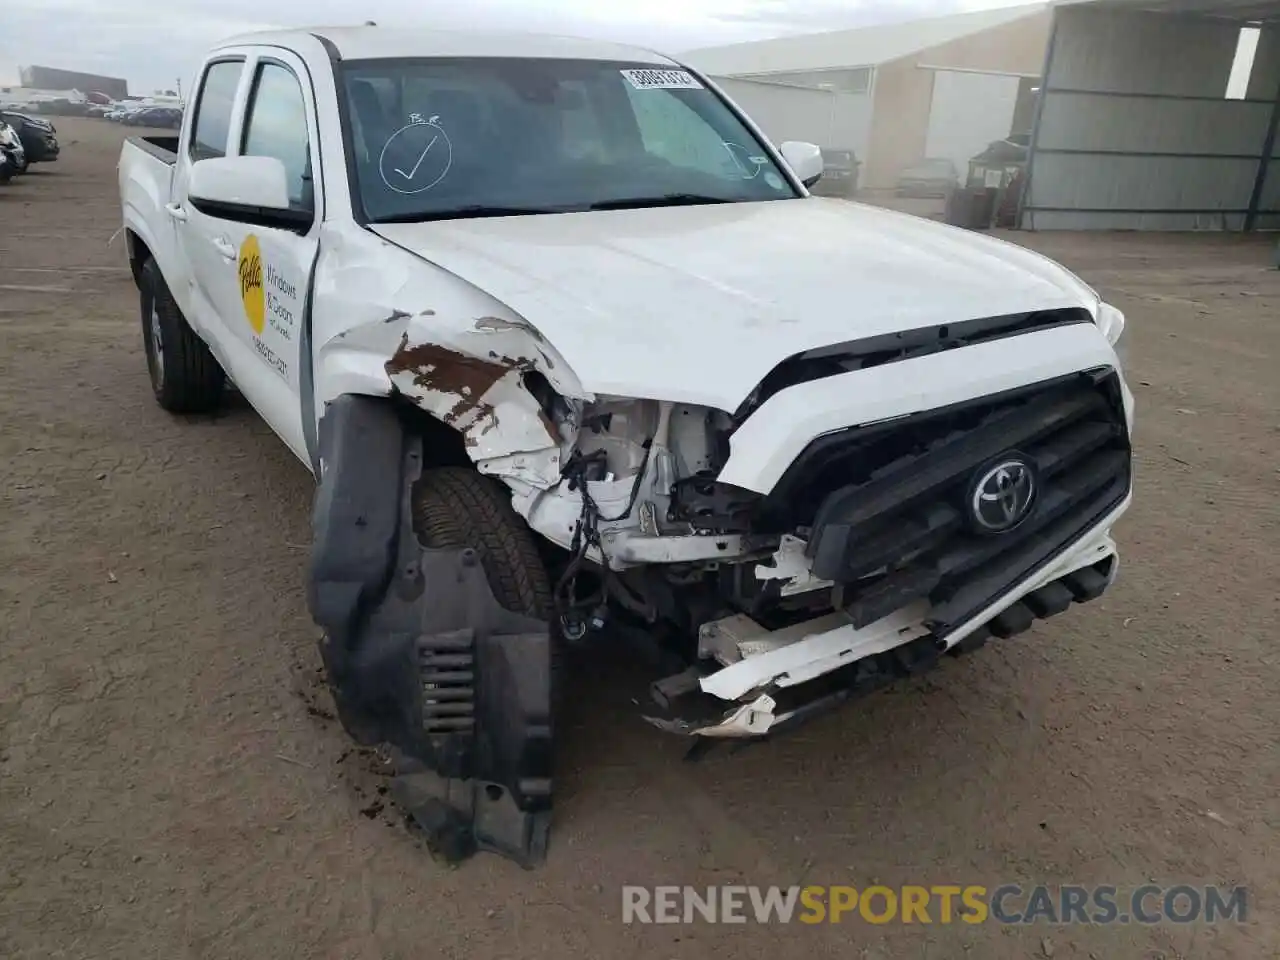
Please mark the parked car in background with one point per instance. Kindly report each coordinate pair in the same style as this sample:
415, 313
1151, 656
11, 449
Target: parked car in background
839, 173
11, 147
39, 137
62, 107
163, 117
931, 177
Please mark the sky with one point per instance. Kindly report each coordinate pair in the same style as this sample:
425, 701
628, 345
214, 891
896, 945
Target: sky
152, 44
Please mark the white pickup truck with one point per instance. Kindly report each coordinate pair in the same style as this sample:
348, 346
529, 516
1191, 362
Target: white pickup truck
573, 354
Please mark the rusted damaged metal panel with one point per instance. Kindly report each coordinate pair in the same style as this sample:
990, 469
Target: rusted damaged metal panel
436, 370
470, 376
385, 325
473, 395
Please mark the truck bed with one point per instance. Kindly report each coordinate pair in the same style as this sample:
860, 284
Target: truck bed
160, 147
145, 175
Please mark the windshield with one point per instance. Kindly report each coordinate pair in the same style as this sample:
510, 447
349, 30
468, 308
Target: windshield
442, 138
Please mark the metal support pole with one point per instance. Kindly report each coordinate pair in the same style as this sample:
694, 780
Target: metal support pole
1264, 165
1025, 196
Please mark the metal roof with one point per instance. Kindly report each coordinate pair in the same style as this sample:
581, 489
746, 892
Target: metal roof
1241, 10
862, 47
378, 43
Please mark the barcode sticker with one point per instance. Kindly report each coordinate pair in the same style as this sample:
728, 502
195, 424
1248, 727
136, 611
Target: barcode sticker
662, 79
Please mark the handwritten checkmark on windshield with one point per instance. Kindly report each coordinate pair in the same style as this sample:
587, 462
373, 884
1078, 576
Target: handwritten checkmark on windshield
411, 173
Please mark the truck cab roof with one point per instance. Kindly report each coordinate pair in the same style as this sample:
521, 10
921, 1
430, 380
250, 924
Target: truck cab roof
385, 43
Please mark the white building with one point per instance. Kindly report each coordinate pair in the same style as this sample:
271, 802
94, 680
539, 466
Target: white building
894, 94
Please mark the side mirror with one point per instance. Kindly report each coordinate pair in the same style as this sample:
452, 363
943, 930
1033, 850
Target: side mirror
235, 187
804, 159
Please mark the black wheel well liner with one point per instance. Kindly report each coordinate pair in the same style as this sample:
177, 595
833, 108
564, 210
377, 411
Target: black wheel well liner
402, 621
442, 445
139, 254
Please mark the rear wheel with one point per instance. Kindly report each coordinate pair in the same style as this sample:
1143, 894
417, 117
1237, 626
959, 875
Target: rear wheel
185, 377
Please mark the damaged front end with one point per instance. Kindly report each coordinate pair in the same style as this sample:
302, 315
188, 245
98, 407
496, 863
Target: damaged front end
923, 534
419, 653
790, 559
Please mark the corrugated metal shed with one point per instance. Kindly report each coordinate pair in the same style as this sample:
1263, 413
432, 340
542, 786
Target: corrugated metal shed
1240, 10
1135, 129
865, 46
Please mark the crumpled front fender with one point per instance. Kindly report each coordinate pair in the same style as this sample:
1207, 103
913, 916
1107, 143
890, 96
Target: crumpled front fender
387, 323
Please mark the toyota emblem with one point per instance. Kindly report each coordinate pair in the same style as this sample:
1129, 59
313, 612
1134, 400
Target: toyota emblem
1003, 495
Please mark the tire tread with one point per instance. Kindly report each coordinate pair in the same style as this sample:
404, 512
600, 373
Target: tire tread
457, 507
193, 379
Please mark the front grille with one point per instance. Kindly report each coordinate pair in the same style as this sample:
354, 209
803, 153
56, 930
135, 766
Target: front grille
904, 528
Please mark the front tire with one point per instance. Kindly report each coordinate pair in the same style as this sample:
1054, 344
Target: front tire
457, 507
185, 377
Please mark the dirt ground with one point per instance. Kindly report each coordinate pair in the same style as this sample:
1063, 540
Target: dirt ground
173, 785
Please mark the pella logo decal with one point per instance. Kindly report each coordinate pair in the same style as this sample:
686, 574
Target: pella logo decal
252, 295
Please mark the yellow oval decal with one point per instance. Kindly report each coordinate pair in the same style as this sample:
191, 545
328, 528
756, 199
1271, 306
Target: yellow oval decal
252, 294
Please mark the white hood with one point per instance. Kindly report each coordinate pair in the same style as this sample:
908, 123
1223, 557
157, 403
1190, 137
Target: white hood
697, 304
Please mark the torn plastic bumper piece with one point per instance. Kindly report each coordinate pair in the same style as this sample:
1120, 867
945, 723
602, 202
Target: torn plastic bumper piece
900, 646
419, 653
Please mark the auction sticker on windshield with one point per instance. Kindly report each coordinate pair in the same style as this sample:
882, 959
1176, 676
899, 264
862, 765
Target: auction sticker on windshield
662, 79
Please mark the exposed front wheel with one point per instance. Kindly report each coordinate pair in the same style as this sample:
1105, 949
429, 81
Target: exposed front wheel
457, 507
185, 377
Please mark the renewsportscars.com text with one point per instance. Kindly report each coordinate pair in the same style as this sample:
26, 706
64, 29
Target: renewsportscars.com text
938, 904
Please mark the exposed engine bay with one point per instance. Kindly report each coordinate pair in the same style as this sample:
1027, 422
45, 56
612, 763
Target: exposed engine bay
650, 531
641, 509
870, 522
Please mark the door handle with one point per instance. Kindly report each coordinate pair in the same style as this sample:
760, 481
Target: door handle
224, 248
175, 210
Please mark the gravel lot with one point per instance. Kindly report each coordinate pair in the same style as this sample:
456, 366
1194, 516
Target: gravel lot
173, 785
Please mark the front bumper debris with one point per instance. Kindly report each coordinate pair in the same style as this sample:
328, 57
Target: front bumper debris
914, 571
775, 680
421, 656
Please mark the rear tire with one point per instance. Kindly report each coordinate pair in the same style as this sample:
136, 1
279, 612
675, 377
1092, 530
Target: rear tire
457, 507
185, 377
